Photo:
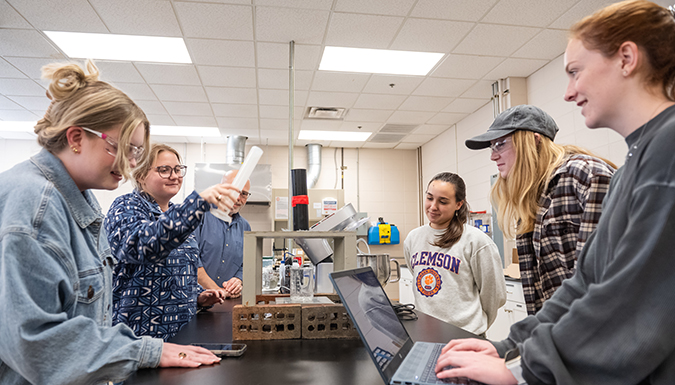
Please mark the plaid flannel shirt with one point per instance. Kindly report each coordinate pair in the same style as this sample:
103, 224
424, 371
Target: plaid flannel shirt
569, 211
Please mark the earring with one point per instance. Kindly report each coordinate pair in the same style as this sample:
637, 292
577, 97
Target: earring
75, 150
625, 73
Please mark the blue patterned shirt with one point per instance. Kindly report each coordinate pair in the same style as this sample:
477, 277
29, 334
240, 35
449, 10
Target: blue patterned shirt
155, 285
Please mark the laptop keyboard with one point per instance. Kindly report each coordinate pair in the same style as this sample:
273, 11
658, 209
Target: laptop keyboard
429, 373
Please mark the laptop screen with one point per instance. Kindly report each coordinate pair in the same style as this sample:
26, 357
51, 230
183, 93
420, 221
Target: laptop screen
372, 312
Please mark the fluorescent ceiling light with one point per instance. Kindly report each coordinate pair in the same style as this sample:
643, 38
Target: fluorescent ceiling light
23, 126
121, 47
184, 131
341, 136
379, 61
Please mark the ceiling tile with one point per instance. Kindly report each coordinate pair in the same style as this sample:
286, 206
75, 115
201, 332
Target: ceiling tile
446, 118
235, 110
160, 120
418, 138
117, 71
274, 135
11, 19
252, 134
466, 66
279, 79
18, 115
581, 10
482, 89
275, 55
430, 35
331, 99
26, 43
221, 52
360, 126
365, 115
152, 107
379, 145
309, 4
285, 24
452, 9
41, 15
320, 124
32, 66
465, 105
232, 95
362, 31
410, 117
280, 112
238, 123
132, 17
376, 101
280, 97
378, 7
175, 74
9, 71
425, 103
188, 109
278, 124
195, 121
217, 21
33, 103
339, 81
534, 13
179, 93
227, 76
407, 146
495, 40
402, 85
9, 104
443, 87
431, 129
136, 91
336, 144
548, 44
21, 87
516, 68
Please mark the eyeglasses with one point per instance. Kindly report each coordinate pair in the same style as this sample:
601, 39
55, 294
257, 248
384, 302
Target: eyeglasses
166, 171
131, 152
501, 146
245, 194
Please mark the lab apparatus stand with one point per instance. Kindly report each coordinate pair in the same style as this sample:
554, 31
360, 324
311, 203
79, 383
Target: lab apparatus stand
344, 255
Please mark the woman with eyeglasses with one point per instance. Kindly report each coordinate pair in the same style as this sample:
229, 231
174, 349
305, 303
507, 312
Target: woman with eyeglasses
155, 285
55, 261
549, 196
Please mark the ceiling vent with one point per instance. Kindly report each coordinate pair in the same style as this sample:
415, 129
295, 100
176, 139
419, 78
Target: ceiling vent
332, 113
398, 128
387, 138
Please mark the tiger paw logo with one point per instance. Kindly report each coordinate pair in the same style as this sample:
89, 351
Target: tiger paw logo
428, 282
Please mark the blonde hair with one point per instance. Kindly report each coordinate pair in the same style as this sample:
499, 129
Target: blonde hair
81, 99
145, 167
517, 197
648, 25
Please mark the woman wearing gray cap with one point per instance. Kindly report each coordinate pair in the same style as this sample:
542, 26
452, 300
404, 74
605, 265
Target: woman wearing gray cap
551, 195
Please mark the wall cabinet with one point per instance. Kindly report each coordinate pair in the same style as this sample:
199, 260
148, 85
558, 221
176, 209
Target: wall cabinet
513, 311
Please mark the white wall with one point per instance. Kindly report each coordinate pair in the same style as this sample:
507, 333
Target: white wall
545, 89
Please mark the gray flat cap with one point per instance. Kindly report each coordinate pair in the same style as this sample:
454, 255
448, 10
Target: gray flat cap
522, 117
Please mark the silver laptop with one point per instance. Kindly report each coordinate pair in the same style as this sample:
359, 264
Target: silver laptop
399, 360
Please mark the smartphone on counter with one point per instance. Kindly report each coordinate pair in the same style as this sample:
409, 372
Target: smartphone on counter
225, 350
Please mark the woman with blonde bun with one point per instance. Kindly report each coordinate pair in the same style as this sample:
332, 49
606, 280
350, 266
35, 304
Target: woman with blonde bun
55, 262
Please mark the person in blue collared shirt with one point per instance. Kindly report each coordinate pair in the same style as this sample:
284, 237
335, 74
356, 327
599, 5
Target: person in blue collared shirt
221, 246
155, 284
55, 261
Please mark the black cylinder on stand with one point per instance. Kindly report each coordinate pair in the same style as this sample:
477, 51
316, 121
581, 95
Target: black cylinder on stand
300, 201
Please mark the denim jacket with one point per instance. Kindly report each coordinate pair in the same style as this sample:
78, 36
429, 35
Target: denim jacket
55, 284
155, 284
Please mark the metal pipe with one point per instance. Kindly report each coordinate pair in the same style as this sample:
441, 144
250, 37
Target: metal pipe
313, 164
236, 149
291, 136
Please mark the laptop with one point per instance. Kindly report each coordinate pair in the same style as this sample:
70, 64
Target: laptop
399, 360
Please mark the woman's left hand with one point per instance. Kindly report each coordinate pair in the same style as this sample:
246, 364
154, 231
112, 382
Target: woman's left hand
211, 297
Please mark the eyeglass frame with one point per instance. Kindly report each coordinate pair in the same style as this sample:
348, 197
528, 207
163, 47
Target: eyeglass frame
135, 151
172, 170
246, 194
501, 144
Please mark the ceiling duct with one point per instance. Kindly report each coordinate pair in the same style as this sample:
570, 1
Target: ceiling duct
387, 138
331, 113
313, 164
398, 128
236, 149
